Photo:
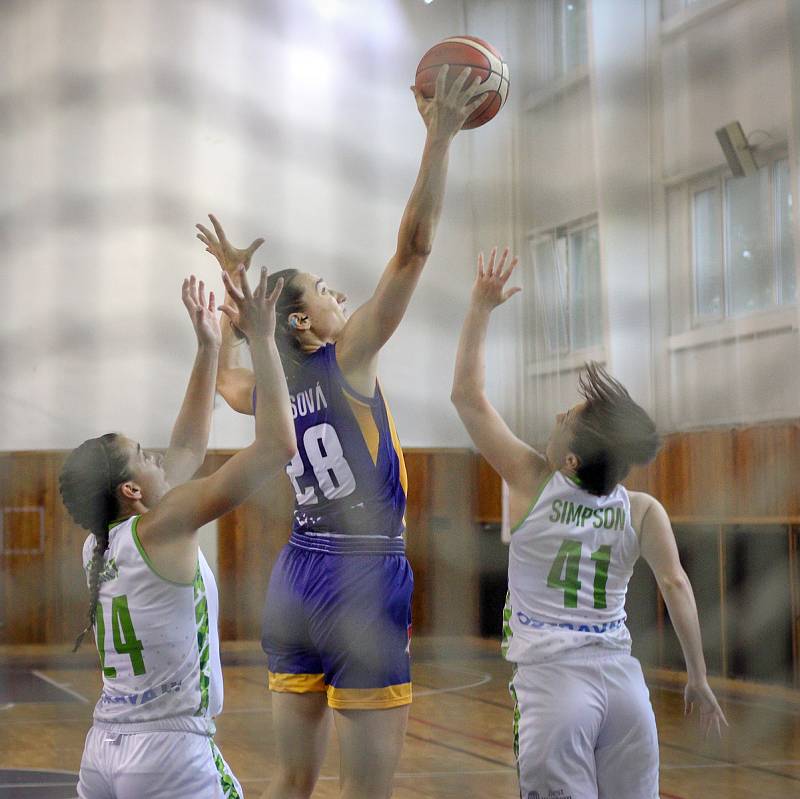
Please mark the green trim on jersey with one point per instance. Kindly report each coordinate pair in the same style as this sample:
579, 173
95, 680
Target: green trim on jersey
201, 619
226, 779
146, 557
539, 493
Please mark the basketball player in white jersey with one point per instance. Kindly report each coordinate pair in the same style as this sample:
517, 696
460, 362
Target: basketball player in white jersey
154, 605
584, 727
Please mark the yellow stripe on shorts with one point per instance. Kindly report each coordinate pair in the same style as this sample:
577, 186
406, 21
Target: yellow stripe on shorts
296, 683
369, 698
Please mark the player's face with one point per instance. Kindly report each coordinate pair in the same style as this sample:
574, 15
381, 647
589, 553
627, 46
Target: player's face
324, 306
147, 471
558, 445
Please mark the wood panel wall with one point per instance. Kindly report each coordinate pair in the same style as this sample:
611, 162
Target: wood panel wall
731, 476
42, 587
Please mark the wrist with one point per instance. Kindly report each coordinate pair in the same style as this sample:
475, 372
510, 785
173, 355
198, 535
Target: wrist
437, 142
211, 347
696, 674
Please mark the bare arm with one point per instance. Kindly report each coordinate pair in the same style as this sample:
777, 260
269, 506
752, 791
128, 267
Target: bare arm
371, 326
188, 507
235, 382
661, 553
516, 462
189, 440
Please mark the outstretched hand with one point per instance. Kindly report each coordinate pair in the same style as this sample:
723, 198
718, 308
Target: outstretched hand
489, 289
711, 715
228, 256
254, 312
449, 108
202, 313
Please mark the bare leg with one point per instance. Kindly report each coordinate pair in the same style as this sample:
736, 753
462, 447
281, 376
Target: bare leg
302, 726
371, 742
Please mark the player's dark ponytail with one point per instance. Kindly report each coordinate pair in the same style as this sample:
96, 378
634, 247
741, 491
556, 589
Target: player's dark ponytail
88, 483
611, 433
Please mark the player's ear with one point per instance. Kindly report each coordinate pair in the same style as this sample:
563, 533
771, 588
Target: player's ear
572, 462
299, 321
129, 491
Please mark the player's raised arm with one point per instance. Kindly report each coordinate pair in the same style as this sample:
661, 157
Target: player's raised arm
371, 325
189, 440
659, 549
234, 382
516, 462
188, 507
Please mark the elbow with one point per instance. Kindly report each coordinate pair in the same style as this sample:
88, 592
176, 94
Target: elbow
457, 397
672, 583
414, 249
463, 397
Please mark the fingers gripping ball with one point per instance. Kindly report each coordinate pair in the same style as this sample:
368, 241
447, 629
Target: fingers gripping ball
467, 51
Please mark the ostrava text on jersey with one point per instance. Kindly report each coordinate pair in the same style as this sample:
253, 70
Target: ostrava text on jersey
349, 476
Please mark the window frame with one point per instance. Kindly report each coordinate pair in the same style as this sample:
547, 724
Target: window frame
553, 235
718, 180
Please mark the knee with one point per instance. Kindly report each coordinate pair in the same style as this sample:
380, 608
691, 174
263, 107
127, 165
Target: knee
293, 783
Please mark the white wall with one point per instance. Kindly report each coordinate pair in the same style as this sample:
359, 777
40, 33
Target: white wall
121, 125
624, 140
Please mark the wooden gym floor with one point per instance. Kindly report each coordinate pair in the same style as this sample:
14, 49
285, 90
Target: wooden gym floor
459, 734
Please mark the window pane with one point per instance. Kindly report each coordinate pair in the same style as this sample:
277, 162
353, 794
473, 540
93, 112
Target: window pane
783, 229
551, 295
575, 41
748, 243
586, 310
707, 249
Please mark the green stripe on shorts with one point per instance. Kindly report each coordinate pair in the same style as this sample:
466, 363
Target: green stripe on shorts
226, 780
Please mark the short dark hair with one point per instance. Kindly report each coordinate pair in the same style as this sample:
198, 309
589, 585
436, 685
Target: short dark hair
611, 433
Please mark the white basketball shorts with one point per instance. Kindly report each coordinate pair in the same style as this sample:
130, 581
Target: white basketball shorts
585, 729
154, 765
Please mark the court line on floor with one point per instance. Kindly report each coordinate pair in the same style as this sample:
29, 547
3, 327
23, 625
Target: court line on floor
484, 677
8, 785
409, 775
61, 686
746, 703
769, 763
732, 763
457, 749
7, 706
460, 733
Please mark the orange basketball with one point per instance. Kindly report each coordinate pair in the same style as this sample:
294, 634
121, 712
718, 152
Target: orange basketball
467, 51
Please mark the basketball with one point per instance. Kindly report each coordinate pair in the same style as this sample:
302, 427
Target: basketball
467, 51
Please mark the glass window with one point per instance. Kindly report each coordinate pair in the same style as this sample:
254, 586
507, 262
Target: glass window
707, 253
551, 294
586, 311
569, 303
748, 240
787, 274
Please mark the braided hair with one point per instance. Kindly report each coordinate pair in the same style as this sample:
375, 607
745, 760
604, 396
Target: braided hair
88, 483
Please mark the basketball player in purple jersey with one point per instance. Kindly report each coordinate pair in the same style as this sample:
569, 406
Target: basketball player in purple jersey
337, 618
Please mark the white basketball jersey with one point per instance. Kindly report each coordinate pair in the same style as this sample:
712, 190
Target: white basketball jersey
569, 564
158, 642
